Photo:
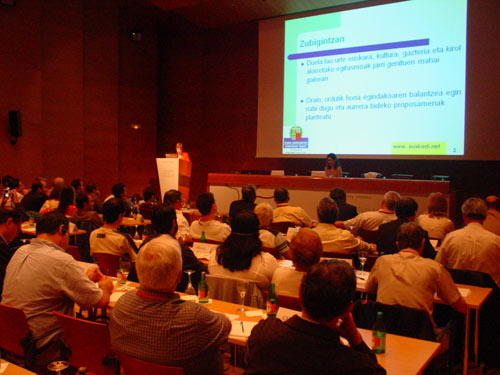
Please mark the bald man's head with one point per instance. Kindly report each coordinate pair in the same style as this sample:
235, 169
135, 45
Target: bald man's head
492, 201
306, 249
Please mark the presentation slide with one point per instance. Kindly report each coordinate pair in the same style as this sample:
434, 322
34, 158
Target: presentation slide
383, 80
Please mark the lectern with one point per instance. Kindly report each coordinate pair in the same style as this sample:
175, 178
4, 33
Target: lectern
174, 173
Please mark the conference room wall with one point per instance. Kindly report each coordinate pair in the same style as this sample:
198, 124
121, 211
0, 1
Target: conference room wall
208, 100
79, 83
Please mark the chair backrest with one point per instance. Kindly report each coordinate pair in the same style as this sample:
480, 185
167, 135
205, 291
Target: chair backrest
89, 343
399, 320
282, 226
108, 263
134, 366
224, 289
370, 236
83, 240
475, 278
289, 302
74, 252
15, 335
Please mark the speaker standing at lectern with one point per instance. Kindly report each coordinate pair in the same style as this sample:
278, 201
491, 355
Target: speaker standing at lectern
181, 154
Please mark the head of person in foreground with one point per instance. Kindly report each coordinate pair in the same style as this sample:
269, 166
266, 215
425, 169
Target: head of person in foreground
159, 266
327, 291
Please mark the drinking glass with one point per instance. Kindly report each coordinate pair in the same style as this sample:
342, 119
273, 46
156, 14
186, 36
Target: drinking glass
242, 287
190, 288
125, 266
57, 366
352, 229
362, 254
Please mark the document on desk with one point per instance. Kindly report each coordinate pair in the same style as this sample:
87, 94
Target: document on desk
241, 329
464, 292
116, 296
203, 250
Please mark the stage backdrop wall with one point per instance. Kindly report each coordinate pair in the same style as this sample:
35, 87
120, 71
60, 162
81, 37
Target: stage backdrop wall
208, 100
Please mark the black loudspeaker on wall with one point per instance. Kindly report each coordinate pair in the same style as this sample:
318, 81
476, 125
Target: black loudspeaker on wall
15, 126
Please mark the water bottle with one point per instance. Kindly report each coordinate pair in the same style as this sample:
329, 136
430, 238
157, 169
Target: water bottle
379, 334
203, 289
272, 302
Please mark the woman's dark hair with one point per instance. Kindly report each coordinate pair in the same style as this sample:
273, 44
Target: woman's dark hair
55, 193
334, 157
67, 199
239, 248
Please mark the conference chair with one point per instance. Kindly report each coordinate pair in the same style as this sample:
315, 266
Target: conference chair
282, 226
405, 321
224, 289
89, 345
16, 340
83, 240
134, 366
74, 252
108, 263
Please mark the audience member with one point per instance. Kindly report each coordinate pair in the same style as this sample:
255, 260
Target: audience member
241, 256
346, 211
119, 191
371, 220
67, 201
472, 247
336, 240
95, 196
247, 201
77, 184
52, 202
435, 221
406, 209
174, 198
107, 239
214, 230
41, 277
146, 208
409, 280
306, 251
57, 183
34, 200
311, 344
284, 212
10, 197
492, 222
84, 211
271, 239
10, 225
154, 325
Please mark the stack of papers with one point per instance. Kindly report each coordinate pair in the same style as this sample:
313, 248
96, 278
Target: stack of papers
241, 329
203, 250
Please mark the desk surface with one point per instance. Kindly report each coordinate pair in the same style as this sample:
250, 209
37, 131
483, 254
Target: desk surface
13, 369
403, 355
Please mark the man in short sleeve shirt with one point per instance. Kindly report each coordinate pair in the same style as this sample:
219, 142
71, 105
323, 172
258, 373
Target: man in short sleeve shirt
41, 277
409, 280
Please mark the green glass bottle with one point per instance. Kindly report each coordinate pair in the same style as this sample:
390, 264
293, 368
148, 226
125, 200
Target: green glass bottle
203, 238
379, 334
203, 289
272, 301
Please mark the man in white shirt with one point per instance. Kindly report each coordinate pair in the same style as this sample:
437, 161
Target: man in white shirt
214, 230
107, 239
284, 212
174, 198
472, 247
371, 220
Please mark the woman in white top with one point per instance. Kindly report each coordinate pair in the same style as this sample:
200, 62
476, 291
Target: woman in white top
240, 255
435, 221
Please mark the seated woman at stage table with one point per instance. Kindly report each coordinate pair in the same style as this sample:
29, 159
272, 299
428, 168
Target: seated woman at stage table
435, 221
333, 168
240, 256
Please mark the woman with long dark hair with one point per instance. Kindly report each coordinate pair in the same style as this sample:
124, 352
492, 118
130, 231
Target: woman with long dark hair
333, 168
240, 256
67, 201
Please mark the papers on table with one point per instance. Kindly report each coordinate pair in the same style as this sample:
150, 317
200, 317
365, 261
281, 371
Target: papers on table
231, 317
285, 314
241, 329
251, 313
203, 250
115, 296
3, 367
361, 279
464, 292
193, 298
285, 263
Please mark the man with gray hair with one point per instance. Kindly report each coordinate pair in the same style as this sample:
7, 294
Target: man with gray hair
472, 247
371, 220
154, 325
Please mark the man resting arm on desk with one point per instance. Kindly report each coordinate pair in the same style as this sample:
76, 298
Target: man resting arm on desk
311, 344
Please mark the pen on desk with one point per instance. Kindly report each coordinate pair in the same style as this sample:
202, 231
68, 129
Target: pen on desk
242, 327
